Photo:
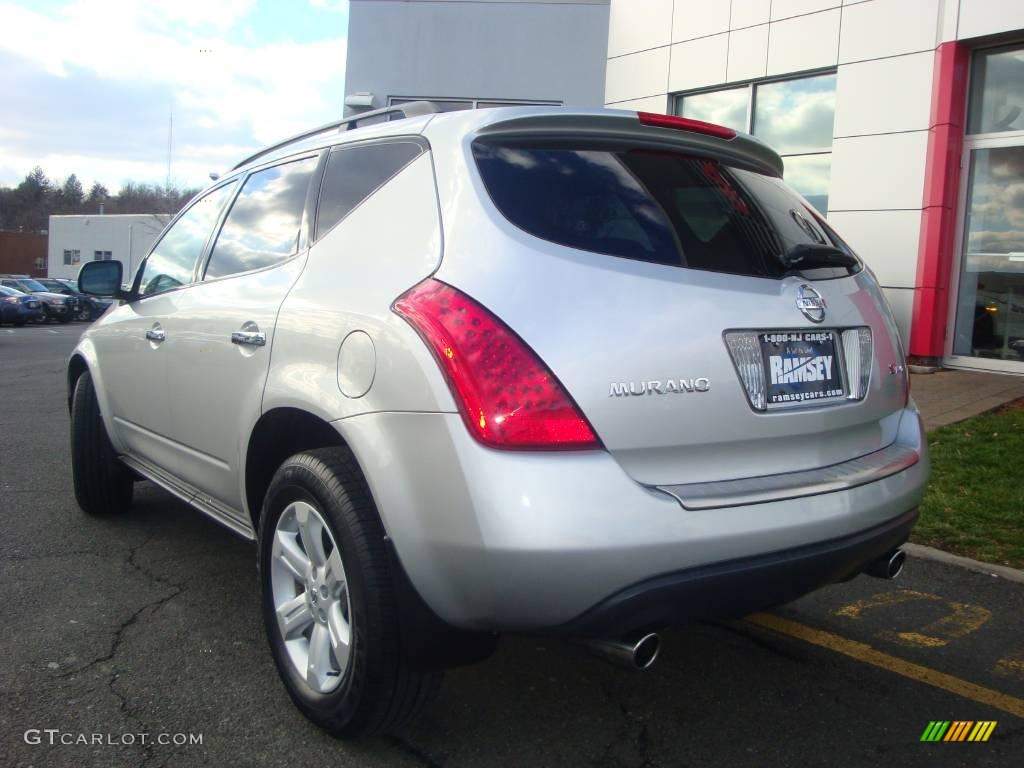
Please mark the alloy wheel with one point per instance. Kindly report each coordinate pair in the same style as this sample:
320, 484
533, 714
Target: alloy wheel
311, 597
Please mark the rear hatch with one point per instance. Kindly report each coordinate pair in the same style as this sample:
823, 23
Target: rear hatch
708, 323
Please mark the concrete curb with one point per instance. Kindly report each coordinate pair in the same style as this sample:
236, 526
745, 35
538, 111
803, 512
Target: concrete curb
930, 553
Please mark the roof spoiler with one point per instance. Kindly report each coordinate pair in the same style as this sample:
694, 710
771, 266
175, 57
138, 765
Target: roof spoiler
613, 127
409, 109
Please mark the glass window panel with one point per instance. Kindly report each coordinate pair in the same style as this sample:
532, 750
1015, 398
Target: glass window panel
990, 303
997, 91
796, 115
263, 226
809, 175
171, 262
353, 174
727, 107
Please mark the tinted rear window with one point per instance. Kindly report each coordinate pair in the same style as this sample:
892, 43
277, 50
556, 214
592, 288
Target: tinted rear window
354, 173
654, 206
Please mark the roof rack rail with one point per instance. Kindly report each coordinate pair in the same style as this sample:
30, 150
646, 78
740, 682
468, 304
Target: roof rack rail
409, 109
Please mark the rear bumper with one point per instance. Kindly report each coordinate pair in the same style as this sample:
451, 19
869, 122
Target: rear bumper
736, 588
513, 541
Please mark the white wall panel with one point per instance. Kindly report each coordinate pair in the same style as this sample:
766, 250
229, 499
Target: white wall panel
987, 17
699, 18
887, 28
886, 240
637, 75
878, 172
884, 95
804, 42
698, 63
636, 25
747, 13
902, 302
650, 104
748, 53
784, 9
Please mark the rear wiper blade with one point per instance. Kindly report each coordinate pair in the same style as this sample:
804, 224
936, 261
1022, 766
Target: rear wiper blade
814, 255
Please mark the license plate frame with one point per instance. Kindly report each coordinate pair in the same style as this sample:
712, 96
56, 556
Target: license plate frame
802, 367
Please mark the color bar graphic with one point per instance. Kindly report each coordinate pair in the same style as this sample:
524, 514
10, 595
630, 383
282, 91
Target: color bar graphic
958, 730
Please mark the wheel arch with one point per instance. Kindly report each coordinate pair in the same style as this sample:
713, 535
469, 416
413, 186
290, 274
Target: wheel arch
428, 642
279, 433
76, 367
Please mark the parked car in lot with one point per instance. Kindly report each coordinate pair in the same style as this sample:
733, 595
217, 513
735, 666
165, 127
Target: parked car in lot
55, 306
89, 307
19, 308
533, 370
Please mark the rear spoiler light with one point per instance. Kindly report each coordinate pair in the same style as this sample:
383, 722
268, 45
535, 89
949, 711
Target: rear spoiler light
686, 124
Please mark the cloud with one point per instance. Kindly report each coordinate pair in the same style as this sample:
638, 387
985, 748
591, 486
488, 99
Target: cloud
94, 83
796, 115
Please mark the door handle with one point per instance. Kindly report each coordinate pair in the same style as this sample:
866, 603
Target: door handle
249, 338
156, 334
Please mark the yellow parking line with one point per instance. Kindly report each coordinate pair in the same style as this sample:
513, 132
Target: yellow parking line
868, 655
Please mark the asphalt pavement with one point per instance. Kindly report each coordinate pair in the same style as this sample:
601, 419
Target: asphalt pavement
148, 623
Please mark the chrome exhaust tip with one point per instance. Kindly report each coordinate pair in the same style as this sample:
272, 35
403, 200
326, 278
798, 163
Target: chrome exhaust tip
635, 652
888, 566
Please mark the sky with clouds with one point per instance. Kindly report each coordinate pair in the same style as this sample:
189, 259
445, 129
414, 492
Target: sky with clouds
88, 85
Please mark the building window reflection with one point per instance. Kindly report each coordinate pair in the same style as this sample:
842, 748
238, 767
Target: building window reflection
795, 116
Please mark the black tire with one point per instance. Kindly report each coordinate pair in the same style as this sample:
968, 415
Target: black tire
378, 690
84, 314
64, 319
19, 323
103, 485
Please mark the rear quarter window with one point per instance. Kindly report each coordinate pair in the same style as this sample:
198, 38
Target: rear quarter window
354, 173
655, 206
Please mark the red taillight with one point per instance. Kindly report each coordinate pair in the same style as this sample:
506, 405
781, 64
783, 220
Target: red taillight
507, 396
685, 124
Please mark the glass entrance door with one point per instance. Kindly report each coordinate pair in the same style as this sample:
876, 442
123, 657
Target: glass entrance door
988, 316
990, 302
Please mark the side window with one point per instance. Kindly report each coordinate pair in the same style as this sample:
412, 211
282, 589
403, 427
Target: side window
264, 224
354, 173
171, 263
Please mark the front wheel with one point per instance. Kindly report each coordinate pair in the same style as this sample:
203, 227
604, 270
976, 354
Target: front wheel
84, 313
329, 602
102, 483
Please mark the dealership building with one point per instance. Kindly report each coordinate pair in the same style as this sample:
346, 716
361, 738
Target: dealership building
902, 120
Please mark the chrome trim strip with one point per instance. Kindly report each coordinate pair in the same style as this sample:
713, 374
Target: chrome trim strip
811, 482
227, 516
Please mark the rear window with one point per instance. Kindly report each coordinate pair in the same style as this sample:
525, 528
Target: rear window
653, 206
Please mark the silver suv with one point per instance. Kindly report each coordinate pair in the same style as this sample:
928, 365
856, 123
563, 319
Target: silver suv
530, 370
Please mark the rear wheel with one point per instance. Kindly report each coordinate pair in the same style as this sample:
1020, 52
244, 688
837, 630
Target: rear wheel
84, 313
329, 602
102, 483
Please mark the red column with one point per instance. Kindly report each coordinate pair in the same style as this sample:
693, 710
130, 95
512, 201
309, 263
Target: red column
941, 191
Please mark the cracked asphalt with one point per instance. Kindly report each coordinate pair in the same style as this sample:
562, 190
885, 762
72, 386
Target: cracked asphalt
149, 623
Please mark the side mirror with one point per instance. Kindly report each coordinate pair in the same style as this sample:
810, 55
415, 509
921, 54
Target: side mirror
102, 278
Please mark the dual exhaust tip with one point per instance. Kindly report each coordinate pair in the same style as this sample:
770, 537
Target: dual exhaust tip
640, 651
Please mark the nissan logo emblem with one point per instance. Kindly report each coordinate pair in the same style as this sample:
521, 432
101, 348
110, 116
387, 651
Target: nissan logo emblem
810, 302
